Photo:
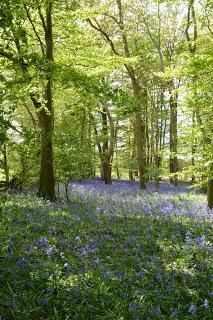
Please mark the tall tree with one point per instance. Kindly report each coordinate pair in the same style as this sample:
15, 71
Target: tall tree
139, 92
16, 36
46, 115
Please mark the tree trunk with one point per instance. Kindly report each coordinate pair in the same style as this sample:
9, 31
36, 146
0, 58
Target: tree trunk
107, 171
140, 145
173, 139
210, 188
193, 148
140, 134
47, 180
210, 194
67, 190
131, 177
6, 166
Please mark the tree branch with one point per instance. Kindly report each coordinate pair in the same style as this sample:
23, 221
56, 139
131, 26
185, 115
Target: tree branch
104, 34
34, 29
191, 11
42, 19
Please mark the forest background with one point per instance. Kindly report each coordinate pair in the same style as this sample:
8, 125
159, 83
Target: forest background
112, 88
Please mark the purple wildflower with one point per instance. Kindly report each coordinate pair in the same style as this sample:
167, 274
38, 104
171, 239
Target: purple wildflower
105, 273
155, 309
51, 250
206, 303
92, 245
84, 252
133, 306
62, 256
96, 263
42, 242
192, 309
159, 277
119, 274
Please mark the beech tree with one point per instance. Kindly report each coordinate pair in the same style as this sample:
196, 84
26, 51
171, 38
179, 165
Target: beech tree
139, 92
15, 36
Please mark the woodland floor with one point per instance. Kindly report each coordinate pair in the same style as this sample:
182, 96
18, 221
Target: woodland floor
113, 252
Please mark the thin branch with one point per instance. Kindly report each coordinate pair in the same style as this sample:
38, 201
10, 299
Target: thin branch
149, 32
42, 19
31, 115
191, 11
207, 19
156, 44
159, 26
34, 29
113, 18
104, 34
129, 69
8, 55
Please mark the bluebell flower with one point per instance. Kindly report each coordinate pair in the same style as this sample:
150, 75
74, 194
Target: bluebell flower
186, 248
20, 261
206, 303
51, 250
119, 274
84, 252
169, 287
174, 312
92, 245
188, 239
62, 256
200, 239
133, 307
105, 273
192, 309
159, 277
42, 242
155, 309
96, 263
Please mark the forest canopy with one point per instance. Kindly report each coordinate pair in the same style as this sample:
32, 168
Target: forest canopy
112, 88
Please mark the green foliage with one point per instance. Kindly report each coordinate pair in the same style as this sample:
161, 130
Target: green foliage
153, 172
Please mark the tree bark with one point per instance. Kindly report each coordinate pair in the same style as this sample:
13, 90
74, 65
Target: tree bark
6, 166
105, 150
193, 148
173, 139
108, 148
46, 115
140, 145
116, 153
210, 194
107, 171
